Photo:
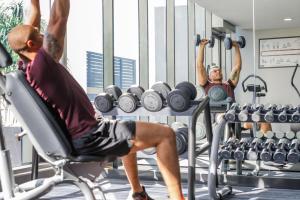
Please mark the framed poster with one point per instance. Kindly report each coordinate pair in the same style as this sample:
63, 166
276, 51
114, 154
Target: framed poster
279, 52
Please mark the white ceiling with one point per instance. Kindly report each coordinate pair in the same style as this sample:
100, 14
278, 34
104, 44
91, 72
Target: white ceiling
269, 14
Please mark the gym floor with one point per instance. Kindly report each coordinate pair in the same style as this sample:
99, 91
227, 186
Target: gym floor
118, 189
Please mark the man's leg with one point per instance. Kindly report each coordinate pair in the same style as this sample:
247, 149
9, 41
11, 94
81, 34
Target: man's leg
163, 138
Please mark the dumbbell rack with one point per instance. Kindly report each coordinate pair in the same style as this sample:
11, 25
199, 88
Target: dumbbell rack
195, 109
212, 176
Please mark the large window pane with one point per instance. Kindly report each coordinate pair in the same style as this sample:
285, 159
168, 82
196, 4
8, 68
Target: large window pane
157, 40
126, 46
84, 45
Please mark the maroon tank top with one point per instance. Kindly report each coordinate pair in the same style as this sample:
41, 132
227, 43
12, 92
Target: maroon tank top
60, 90
227, 86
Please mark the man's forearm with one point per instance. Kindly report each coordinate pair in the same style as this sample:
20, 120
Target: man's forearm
202, 77
238, 59
34, 16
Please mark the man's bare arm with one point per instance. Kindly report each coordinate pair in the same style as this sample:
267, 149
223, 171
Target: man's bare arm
34, 15
56, 30
202, 76
236, 70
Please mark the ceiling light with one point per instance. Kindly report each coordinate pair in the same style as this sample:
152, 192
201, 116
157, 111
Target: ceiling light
287, 19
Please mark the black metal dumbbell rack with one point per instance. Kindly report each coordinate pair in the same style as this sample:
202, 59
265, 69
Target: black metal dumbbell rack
193, 112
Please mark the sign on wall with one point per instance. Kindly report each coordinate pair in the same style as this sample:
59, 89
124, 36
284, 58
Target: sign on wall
279, 52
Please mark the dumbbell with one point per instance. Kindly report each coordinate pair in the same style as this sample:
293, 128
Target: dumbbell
268, 149
239, 153
281, 151
270, 134
269, 116
179, 99
211, 41
256, 114
290, 135
228, 42
154, 98
181, 132
293, 155
105, 101
230, 114
226, 151
279, 135
296, 115
255, 147
259, 134
243, 115
128, 102
282, 117
217, 93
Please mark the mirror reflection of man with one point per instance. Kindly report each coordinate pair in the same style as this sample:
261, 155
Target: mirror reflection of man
215, 76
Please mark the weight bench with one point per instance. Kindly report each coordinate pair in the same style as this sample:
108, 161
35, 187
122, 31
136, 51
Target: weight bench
48, 137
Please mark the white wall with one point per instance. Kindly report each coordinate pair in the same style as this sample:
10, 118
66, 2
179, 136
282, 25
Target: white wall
278, 80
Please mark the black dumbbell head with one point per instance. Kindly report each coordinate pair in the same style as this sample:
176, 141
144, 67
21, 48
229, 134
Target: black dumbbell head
187, 87
137, 90
239, 155
217, 93
114, 90
162, 87
211, 42
293, 156
265, 155
152, 100
103, 102
128, 102
228, 43
241, 41
178, 100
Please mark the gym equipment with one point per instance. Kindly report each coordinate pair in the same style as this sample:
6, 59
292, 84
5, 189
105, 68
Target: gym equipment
256, 114
281, 151
268, 149
282, 117
154, 98
257, 89
128, 102
269, 134
179, 99
211, 41
239, 153
228, 42
298, 135
105, 101
217, 93
290, 135
255, 148
162, 87
181, 139
226, 151
230, 115
243, 115
137, 90
296, 115
48, 138
259, 134
293, 155
279, 135
269, 116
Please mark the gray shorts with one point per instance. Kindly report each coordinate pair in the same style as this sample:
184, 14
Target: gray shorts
109, 137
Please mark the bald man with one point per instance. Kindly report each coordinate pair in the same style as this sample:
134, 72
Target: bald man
56, 86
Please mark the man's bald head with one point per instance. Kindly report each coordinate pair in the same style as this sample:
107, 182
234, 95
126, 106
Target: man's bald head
19, 35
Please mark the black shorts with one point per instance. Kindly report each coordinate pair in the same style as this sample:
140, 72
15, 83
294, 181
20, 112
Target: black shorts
110, 137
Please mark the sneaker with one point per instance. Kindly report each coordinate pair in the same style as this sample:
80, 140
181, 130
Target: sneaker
141, 195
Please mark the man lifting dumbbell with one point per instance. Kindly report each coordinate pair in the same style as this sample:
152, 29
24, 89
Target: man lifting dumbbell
56, 86
215, 76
